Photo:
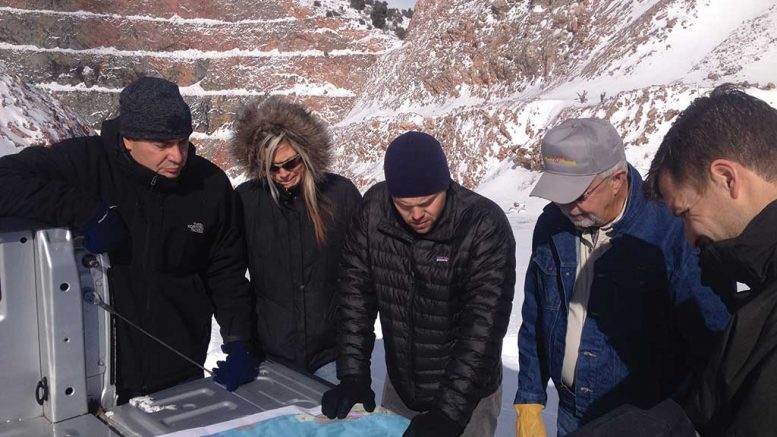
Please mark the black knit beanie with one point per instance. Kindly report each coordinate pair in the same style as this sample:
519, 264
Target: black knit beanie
153, 109
415, 166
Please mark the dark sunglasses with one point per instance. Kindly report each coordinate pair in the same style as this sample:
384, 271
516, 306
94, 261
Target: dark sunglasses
288, 165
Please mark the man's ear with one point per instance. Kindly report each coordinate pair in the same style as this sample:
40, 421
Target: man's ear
619, 178
127, 143
727, 176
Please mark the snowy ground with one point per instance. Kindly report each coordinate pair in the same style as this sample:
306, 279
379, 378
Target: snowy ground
510, 189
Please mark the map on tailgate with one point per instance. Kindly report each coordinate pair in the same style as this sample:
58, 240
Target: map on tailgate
299, 422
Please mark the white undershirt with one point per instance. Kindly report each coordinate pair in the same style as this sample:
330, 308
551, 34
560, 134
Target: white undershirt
592, 244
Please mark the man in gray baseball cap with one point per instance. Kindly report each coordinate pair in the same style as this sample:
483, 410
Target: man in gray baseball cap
574, 153
614, 310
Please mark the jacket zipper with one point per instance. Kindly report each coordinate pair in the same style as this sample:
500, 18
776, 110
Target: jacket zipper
303, 296
147, 261
411, 336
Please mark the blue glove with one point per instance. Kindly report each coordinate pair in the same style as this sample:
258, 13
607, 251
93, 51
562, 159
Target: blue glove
240, 367
433, 423
105, 231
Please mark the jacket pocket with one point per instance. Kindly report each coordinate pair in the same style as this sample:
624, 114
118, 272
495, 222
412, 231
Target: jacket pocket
549, 287
276, 328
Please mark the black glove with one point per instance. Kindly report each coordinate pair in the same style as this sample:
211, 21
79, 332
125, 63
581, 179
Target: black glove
433, 423
240, 367
105, 231
338, 401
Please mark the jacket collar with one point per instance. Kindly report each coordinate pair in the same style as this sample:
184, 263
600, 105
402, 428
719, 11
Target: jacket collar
393, 224
289, 195
111, 138
634, 205
751, 257
564, 235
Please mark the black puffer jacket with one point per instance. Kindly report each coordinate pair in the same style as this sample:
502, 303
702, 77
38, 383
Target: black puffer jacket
294, 278
735, 395
185, 258
444, 300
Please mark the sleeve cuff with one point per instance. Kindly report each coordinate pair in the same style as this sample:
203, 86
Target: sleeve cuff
530, 398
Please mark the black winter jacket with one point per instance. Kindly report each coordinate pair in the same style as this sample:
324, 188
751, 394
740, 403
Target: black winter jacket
444, 300
293, 278
185, 258
736, 395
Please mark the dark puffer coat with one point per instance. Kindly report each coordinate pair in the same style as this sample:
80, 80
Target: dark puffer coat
735, 394
185, 259
444, 300
293, 277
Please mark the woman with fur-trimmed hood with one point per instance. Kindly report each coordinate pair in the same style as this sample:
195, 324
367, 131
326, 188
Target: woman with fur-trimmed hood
296, 215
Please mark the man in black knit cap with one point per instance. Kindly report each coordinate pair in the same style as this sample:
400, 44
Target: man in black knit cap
168, 220
437, 261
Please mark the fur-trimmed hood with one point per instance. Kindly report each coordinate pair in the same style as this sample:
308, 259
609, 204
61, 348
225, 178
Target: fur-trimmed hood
274, 115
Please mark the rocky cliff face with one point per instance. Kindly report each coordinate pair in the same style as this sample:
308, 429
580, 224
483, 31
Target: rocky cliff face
222, 53
31, 117
488, 78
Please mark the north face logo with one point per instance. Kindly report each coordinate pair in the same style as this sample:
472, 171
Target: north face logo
196, 227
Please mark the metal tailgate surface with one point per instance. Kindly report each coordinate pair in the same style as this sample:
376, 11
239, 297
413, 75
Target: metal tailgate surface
203, 402
82, 426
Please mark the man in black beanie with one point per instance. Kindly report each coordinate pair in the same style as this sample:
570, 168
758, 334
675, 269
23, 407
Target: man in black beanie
437, 261
168, 220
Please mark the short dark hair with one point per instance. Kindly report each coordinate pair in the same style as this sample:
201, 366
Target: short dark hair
728, 124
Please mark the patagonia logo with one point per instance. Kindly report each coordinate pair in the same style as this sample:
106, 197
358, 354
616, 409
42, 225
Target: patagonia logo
196, 227
442, 259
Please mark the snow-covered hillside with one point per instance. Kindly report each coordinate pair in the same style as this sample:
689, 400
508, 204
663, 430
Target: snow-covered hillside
29, 116
222, 53
489, 78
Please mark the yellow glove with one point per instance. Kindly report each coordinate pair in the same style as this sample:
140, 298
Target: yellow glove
528, 422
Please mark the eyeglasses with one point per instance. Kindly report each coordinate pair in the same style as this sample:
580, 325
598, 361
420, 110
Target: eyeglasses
288, 165
586, 194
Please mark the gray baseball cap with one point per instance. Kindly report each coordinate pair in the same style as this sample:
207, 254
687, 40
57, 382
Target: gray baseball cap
573, 153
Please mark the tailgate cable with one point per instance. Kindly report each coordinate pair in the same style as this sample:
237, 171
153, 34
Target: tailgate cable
95, 299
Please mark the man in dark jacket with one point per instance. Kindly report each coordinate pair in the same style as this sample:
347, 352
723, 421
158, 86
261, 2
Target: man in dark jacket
717, 170
437, 261
168, 220
614, 310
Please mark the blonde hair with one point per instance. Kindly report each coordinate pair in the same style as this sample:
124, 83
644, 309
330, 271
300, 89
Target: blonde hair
316, 205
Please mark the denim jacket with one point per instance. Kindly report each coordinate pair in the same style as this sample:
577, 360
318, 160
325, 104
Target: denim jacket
649, 322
